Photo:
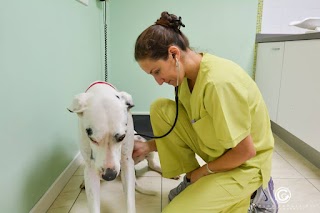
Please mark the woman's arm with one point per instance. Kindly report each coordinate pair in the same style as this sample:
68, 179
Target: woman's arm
231, 159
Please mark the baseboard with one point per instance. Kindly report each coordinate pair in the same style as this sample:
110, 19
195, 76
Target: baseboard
140, 113
298, 145
48, 198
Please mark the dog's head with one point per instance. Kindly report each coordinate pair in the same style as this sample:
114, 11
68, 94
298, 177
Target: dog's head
103, 119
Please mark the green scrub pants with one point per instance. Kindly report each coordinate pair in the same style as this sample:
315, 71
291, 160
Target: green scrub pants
228, 192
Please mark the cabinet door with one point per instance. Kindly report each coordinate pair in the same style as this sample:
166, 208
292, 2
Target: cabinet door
299, 103
268, 74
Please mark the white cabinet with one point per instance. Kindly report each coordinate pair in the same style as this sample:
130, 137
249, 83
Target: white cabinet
268, 74
299, 101
288, 75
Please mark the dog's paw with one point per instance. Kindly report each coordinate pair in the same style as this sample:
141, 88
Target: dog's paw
176, 177
138, 138
82, 186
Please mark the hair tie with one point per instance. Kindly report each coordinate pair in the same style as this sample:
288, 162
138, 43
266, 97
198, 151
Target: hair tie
179, 22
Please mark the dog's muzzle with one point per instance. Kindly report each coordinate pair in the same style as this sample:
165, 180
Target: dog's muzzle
109, 175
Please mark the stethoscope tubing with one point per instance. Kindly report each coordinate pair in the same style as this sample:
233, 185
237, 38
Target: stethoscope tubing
174, 123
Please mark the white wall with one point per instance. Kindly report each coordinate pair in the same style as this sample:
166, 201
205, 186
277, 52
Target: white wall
277, 14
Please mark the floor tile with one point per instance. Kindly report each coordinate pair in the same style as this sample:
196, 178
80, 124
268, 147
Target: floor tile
167, 185
282, 169
113, 198
59, 210
315, 182
296, 195
280, 146
80, 206
69, 194
73, 185
201, 162
79, 171
302, 165
290, 171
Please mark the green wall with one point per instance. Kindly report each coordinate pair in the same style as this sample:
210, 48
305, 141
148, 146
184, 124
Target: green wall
226, 28
49, 51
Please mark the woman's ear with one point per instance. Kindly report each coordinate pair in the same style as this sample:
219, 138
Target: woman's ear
174, 52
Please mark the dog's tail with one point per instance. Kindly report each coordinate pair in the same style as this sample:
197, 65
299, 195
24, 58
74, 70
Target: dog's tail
142, 190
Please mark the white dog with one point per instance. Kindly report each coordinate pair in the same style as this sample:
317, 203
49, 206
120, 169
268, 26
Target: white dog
107, 139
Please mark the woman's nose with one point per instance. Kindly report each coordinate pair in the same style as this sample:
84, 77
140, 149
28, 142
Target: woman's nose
159, 80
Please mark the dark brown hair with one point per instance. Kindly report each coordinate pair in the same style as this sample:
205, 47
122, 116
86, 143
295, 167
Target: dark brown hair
153, 42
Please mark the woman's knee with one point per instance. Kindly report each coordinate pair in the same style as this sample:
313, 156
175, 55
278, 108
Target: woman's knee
161, 105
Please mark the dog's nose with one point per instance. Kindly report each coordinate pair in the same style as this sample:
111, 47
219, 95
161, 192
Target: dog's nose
109, 175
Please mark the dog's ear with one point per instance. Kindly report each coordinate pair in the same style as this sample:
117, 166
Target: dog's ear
79, 103
127, 99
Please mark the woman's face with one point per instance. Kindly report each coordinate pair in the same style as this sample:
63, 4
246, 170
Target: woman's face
162, 71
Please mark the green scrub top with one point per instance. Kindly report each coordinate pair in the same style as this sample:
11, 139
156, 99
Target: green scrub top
226, 106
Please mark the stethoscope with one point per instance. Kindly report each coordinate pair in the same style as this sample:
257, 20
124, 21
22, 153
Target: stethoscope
177, 103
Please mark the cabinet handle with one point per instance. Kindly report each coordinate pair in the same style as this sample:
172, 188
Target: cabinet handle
275, 48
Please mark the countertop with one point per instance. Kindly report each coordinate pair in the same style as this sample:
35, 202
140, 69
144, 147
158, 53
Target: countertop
263, 38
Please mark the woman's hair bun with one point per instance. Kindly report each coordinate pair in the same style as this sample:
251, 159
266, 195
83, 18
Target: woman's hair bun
170, 21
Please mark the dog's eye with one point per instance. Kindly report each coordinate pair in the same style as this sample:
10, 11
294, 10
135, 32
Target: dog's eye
118, 96
89, 131
119, 137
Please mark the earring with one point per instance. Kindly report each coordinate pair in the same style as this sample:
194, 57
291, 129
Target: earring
177, 63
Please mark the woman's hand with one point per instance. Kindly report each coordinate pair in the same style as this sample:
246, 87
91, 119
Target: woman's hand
142, 149
198, 173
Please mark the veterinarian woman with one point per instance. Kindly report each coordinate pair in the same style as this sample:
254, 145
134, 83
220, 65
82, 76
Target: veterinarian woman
222, 118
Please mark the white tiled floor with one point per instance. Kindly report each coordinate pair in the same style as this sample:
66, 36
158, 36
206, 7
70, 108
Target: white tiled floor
297, 187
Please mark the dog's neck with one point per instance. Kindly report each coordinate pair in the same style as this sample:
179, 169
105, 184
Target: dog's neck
100, 82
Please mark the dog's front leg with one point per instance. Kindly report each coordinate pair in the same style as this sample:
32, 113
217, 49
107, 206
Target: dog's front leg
128, 182
92, 185
152, 163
